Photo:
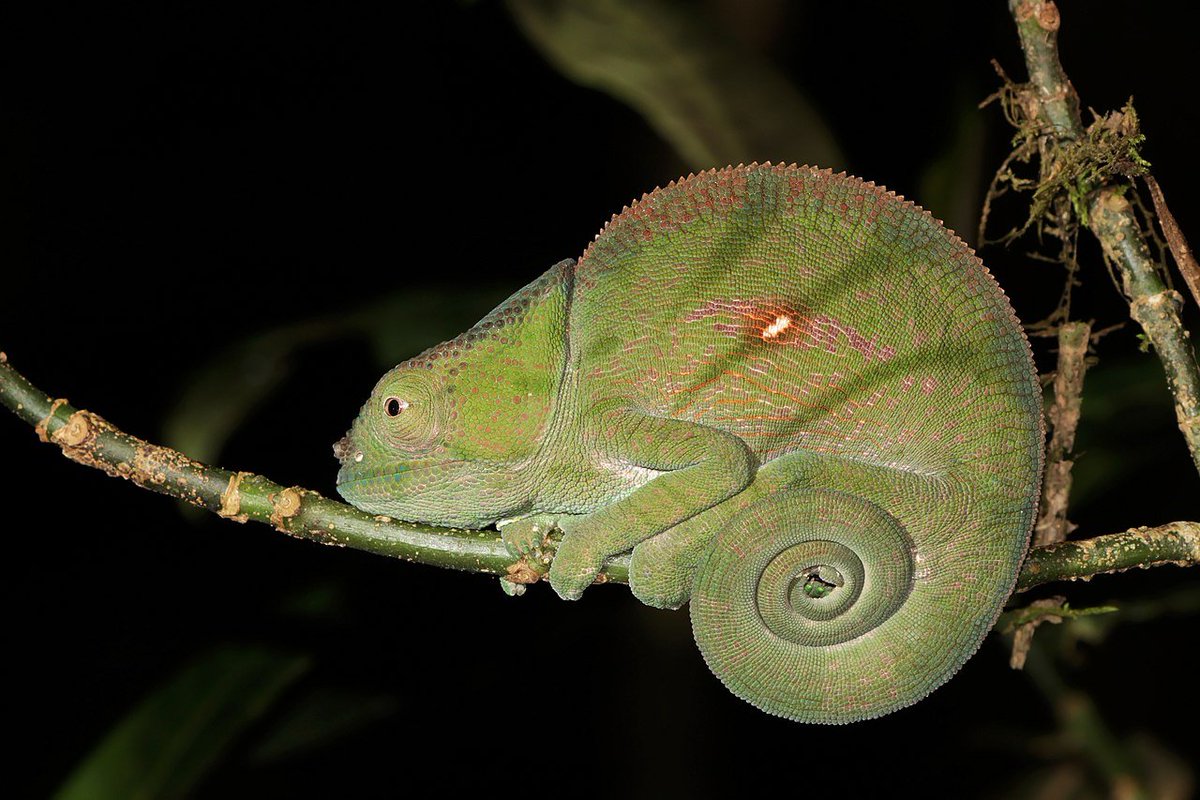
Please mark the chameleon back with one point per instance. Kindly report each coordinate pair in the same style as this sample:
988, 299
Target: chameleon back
838, 328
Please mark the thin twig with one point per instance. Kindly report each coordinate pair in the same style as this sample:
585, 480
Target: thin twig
1052, 525
1184, 257
1054, 102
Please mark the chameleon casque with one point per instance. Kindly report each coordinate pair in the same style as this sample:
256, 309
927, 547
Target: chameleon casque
801, 402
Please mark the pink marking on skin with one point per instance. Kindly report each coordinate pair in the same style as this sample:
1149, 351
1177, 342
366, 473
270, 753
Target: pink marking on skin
759, 366
780, 323
929, 384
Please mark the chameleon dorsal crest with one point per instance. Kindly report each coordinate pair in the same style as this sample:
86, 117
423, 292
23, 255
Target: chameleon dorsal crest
796, 398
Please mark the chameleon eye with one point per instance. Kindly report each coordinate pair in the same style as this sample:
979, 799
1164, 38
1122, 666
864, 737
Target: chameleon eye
392, 406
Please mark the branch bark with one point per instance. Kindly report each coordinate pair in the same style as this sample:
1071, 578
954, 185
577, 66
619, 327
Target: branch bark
1185, 259
1111, 218
1174, 543
1052, 525
89, 439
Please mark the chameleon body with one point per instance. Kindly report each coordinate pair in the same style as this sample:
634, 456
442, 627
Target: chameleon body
799, 400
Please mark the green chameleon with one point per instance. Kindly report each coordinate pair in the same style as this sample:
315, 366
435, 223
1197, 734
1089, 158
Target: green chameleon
801, 402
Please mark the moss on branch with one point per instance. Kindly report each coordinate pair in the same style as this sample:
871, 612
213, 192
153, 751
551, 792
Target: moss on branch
1048, 118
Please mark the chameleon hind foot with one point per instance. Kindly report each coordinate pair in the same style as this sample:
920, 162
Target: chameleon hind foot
659, 575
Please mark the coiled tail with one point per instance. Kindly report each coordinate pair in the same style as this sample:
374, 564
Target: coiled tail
797, 609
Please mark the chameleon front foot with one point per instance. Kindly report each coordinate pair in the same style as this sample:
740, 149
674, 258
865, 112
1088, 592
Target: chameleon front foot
573, 563
529, 537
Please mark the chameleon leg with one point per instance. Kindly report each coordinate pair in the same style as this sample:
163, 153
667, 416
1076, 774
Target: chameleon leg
663, 568
702, 467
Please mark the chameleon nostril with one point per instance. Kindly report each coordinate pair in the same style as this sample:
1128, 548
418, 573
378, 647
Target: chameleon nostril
342, 449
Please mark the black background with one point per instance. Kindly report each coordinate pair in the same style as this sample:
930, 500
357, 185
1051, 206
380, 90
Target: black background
175, 179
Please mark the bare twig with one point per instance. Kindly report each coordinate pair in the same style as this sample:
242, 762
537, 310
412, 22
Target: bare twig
1022, 622
89, 439
1052, 525
1184, 257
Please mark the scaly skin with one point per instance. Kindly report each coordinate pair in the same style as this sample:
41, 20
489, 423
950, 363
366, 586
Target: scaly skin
798, 399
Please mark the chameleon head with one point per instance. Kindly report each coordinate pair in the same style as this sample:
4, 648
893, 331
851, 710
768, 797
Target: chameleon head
396, 446
445, 437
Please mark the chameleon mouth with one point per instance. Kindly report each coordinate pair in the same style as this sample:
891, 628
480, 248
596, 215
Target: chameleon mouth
356, 474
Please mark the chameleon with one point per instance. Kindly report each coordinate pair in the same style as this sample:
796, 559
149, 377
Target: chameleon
802, 404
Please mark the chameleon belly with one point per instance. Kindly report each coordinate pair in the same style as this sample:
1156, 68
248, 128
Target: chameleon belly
844, 333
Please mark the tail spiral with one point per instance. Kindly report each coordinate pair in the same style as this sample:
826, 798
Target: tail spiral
792, 607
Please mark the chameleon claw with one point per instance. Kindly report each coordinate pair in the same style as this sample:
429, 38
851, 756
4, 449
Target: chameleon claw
512, 589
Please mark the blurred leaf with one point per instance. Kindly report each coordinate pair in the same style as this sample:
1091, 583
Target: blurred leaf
180, 731
321, 717
714, 100
325, 601
952, 186
226, 390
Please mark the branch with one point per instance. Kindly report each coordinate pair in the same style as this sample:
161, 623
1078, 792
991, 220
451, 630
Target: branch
87, 438
1174, 543
1185, 259
1052, 525
1054, 103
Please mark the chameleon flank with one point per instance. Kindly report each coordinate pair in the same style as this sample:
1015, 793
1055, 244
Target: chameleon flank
801, 402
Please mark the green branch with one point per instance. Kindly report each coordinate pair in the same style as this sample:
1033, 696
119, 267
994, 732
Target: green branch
1051, 101
1175, 543
89, 439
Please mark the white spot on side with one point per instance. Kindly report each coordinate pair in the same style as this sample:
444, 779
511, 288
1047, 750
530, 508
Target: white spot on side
781, 324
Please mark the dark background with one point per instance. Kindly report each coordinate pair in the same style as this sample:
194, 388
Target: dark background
178, 180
